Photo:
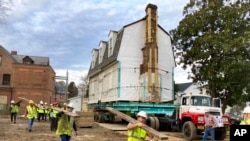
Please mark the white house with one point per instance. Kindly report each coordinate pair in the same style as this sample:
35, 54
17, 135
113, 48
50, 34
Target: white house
135, 63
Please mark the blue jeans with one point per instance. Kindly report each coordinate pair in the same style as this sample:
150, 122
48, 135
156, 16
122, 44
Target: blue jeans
210, 131
30, 123
65, 137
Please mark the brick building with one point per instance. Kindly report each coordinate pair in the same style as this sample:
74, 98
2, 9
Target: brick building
26, 76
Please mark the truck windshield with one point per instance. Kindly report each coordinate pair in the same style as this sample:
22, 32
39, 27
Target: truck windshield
200, 101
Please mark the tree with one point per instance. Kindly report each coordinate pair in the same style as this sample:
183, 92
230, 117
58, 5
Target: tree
84, 86
72, 89
215, 39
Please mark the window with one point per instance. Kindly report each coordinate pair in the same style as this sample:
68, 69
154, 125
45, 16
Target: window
6, 79
184, 101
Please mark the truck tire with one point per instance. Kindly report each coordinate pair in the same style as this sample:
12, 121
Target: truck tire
221, 134
151, 122
157, 123
189, 131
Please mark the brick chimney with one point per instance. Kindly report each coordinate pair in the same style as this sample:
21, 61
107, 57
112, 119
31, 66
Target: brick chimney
13, 52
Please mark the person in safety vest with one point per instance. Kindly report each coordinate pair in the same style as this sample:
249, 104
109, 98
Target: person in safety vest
66, 124
135, 132
13, 111
41, 111
30, 114
52, 116
246, 116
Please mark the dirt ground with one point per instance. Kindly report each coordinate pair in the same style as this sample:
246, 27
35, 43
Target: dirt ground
41, 132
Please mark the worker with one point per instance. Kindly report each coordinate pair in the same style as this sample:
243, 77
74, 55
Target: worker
41, 111
30, 114
246, 116
53, 118
66, 124
65, 106
210, 124
46, 111
135, 132
13, 111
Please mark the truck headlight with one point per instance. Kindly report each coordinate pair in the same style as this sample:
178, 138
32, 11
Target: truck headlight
225, 120
200, 119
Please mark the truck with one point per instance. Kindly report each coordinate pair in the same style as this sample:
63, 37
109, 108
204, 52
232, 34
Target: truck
133, 71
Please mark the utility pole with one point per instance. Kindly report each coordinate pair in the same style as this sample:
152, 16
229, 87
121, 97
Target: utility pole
66, 78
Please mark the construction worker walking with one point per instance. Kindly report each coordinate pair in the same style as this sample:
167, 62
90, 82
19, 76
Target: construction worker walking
246, 116
14, 109
135, 132
30, 114
66, 124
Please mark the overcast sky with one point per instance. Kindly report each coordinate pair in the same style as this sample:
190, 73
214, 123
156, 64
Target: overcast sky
66, 31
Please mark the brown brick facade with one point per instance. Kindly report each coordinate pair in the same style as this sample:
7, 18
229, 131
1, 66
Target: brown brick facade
32, 81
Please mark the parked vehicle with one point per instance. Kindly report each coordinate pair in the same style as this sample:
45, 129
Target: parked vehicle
234, 119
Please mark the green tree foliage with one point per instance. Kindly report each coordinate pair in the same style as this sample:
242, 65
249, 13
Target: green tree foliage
72, 89
215, 39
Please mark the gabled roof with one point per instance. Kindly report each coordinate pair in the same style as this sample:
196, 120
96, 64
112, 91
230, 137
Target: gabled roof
37, 60
111, 59
7, 53
19, 58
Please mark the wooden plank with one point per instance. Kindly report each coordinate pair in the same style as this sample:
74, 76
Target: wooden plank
54, 108
150, 130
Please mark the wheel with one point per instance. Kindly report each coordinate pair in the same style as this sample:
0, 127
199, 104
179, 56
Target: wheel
151, 122
220, 134
189, 131
157, 123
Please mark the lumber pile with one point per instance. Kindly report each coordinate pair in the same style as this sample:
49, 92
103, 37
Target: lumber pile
85, 119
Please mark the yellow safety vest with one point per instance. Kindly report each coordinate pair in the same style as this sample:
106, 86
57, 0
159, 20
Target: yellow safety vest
31, 112
245, 122
65, 125
14, 109
137, 134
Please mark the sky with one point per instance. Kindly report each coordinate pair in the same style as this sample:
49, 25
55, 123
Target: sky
67, 31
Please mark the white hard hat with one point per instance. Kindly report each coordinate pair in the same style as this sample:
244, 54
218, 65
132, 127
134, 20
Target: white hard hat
12, 101
45, 103
41, 102
70, 105
246, 110
142, 114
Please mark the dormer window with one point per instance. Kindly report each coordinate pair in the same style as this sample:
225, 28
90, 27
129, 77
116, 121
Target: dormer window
27, 60
110, 47
111, 44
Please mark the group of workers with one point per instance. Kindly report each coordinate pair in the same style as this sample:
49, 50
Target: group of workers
61, 123
64, 124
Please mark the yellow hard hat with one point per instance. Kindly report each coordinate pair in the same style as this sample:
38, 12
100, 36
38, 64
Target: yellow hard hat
31, 101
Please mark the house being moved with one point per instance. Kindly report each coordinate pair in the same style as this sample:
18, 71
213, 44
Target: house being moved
135, 64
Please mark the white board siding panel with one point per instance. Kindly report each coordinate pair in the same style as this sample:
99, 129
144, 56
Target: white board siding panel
103, 87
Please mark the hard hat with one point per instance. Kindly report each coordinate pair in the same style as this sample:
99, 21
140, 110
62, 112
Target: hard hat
41, 102
70, 105
246, 110
12, 101
142, 114
65, 104
45, 103
31, 101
